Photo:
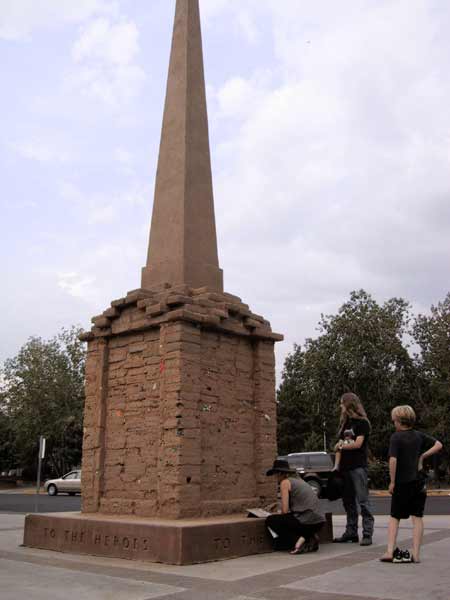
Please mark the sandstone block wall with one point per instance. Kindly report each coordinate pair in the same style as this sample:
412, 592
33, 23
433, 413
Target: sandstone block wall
180, 417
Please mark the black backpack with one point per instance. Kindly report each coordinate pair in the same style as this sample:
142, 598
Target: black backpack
335, 486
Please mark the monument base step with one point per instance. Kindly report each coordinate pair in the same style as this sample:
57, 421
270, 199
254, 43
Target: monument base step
182, 542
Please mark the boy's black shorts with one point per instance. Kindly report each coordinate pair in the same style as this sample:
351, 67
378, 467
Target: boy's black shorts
408, 500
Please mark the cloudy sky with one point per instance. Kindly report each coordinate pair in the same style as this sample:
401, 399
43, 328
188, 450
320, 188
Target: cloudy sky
330, 137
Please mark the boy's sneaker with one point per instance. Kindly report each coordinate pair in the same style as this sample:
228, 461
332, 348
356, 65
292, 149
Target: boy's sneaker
397, 557
406, 556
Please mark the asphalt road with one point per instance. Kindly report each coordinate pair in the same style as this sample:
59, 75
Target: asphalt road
25, 503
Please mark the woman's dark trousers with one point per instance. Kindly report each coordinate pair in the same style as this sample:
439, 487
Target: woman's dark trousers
289, 529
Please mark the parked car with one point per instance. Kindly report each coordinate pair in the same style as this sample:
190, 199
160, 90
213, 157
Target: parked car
313, 467
69, 484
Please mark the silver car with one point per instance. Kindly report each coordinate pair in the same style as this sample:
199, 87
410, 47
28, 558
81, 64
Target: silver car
69, 484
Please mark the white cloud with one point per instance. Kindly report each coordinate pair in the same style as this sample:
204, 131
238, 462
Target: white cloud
101, 208
239, 97
101, 40
247, 26
336, 177
123, 156
69, 191
331, 152
19, 18
138, 195
112, 87
113, 261
242, 15
212, 8
41, 152
102, 214
106, 70
94, 208
125, 160
76, 285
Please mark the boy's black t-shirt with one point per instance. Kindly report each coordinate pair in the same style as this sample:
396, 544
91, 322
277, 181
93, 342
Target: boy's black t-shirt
352, 459
407, 446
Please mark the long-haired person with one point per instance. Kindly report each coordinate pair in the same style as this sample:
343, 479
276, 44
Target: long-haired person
408, 449
351, 461
300, 520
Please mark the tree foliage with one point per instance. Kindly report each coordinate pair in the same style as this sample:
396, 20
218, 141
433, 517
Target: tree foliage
361, 349
43, 394
432, 335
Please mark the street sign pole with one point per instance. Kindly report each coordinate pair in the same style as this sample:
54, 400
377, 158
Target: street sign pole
38, 484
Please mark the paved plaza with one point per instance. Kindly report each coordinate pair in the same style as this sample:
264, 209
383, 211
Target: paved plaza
335, 573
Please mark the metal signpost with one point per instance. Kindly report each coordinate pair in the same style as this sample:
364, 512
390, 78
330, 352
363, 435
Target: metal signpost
41, 457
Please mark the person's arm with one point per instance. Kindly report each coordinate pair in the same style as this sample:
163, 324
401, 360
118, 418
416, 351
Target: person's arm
362, 429
340, 440
437, 447
337, 460
392, 473
355, 445
285, 488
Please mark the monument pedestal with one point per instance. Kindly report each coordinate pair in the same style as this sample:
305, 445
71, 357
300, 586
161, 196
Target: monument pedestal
180, 413
176, 542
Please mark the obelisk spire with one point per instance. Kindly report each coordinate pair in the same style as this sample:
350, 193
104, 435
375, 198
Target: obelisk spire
183, 243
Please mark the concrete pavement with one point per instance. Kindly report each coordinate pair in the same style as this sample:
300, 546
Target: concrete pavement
335, 573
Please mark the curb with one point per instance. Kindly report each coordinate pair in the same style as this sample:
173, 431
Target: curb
376, 493
386, 494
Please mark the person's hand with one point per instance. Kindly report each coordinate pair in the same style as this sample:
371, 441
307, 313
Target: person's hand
335, 468
391, 488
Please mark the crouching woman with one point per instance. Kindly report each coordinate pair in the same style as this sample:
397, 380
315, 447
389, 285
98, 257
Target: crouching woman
297, 526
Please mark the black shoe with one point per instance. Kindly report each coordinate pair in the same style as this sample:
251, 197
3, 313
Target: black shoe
345, 539
406, 556
313, 545
397, 557
366, 541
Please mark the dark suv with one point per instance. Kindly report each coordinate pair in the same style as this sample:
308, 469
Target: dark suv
313, 467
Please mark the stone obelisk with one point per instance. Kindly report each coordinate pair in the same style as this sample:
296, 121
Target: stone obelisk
183, 244
180, 417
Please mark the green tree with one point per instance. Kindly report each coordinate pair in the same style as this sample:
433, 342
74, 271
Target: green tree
43, 394
432, 335
360, 349
7, 458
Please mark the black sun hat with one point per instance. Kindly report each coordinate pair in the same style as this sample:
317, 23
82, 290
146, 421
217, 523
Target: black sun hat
280, 466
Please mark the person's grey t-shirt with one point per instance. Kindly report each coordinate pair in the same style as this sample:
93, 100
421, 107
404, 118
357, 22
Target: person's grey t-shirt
407, 446
304, 503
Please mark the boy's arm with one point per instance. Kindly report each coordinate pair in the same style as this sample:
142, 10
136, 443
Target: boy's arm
392, 472
437, 447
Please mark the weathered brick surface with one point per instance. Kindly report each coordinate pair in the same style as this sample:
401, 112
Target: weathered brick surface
180, 416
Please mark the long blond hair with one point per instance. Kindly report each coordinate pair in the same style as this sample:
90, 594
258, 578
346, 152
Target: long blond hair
353, 408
